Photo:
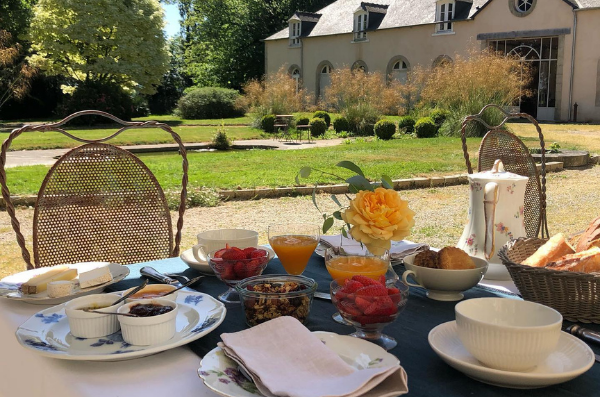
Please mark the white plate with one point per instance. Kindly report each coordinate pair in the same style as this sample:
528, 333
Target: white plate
9, 286
571, 358
203, 267
47, 332
220, 374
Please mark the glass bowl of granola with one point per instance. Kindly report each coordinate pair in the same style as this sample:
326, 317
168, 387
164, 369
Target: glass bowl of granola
270, 296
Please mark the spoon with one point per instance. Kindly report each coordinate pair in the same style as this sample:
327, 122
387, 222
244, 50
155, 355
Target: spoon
116, 314
139, 288
192, 281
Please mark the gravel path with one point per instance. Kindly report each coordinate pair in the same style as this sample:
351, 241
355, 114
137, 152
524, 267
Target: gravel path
441, 214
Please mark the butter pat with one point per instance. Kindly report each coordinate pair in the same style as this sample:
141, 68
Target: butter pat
96, 276
39, 283
58, 289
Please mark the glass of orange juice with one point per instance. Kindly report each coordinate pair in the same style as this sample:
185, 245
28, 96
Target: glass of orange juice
294, 243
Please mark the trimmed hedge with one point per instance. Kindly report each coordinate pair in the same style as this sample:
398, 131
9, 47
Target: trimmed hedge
407, 124
317, 127
341, 124
209, 103
320, 114
303, 121
385, 129
267, 123
439, 116
426, 128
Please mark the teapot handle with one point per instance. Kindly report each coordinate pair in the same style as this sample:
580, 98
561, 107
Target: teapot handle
490, 199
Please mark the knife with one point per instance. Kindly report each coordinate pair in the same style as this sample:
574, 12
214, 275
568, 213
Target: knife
322, 295
154, 274
583, 333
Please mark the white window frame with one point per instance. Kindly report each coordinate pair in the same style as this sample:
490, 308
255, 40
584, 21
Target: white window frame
402, 66
295, 32
444, 15
361, 22
525, 4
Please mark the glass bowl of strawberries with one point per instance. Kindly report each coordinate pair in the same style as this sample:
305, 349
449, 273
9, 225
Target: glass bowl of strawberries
232, 264
369, 305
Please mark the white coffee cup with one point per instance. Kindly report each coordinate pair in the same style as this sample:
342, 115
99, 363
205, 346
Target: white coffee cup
213, 240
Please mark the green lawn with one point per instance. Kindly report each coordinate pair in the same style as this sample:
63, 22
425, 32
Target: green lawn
174, 120
402, 158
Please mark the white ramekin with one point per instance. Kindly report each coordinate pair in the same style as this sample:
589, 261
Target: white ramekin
508, 334
154, 288
93, 325
148, 330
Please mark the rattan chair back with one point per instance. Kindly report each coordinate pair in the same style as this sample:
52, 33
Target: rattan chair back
99, 203
501, 144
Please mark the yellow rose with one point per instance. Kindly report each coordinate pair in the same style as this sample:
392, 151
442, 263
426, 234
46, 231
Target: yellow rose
377, 218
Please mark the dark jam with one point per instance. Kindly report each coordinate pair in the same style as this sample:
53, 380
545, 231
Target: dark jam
149, 309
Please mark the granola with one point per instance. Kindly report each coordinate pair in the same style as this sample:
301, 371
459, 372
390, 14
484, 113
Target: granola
261, 308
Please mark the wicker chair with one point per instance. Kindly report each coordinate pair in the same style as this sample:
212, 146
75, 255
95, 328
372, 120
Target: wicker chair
501, 144
98, 203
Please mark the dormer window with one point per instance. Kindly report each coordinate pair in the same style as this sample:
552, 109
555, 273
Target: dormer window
295, 31
361, 22
445, 14
301, 25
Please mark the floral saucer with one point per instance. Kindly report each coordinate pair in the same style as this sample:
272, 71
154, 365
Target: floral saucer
221, 375
571, 358
47, 332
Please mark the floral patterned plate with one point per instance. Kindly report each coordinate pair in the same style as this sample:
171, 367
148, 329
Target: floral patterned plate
220, 374
9, 286
47, 332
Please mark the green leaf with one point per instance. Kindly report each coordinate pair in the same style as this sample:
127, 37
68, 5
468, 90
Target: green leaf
358, 182
327, 225
344, 233
305, 172
387, 183
335, 200
314, 197
350, 166
337, 215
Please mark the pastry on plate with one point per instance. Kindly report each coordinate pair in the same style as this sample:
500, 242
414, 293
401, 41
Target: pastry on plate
453, 258
427, 258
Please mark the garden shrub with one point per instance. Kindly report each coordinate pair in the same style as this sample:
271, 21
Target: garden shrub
364, 127
425, 128
209, 103
221, 140
302, 121
341, 124
317, 127
196, 197
439, 116
385, 129
267, 123
406, 124
320, 114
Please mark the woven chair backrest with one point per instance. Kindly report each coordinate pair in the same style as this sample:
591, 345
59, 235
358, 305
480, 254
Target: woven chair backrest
501, 144
98, 203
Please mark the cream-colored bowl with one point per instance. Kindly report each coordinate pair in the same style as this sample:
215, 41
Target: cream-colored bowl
443, 284
148, 330
152, 289
508, 334
93, 325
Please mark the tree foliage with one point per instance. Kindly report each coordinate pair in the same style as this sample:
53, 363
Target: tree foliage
104, 41
223, 38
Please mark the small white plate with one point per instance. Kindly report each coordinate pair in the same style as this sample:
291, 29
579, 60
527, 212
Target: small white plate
47, 332
9, 286
571, 358
203, 267
220, 374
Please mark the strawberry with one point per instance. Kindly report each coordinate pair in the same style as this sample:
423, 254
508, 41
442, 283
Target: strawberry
227, 272
340, 294
394, 293
233, 254
240, 270
382, 280
220, 253
253, 268
258, 253
364, 280
372, 290
349, 308
362, 303
383, 299
248, 251
363, 320
381, 308
351, 286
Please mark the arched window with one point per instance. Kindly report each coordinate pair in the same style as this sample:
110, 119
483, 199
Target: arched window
400, 65
296, 74
326, 69
360, 66
397, 69
442, 60
524, 5
323, 78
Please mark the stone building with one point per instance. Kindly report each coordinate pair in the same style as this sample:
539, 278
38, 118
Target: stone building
560, 38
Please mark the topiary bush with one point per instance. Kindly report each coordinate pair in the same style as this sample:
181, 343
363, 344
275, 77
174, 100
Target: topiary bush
320, 114
221, 140
302, 121
439, 116
209, 103
385, 129
317, 127
341, 124
425, 128
267, 123
406, 124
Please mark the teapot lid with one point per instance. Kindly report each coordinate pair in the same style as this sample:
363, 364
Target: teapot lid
498, 172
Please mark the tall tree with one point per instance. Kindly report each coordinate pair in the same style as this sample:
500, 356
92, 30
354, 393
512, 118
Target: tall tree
223, 38
104, 41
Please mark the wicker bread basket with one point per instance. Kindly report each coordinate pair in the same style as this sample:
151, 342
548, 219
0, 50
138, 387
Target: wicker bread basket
575, 295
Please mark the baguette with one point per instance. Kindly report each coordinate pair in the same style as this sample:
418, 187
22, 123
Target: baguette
551, 251
591, 233
586, 262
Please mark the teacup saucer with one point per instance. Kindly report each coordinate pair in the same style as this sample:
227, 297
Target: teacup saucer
188, 257
571, 358
444, 296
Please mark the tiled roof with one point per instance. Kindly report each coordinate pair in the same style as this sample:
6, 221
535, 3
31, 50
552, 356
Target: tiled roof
337, 18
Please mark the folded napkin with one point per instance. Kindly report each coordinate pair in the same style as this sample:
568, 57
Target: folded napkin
285, 359
398, 251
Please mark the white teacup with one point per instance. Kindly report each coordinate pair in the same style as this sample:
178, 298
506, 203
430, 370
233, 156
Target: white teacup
213, 240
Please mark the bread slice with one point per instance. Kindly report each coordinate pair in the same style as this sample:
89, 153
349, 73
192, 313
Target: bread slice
586, 261
453, 258
551, 251
591, 233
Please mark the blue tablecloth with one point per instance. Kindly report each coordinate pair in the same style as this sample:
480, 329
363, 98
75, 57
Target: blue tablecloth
428, 375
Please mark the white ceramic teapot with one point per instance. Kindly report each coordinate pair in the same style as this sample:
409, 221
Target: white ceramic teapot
496, 207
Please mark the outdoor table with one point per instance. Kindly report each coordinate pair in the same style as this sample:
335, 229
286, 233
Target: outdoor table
173, 372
